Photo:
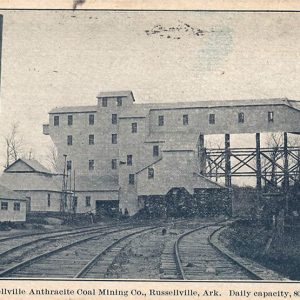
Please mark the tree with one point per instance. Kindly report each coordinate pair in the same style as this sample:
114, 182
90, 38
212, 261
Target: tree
13, 144
52, 158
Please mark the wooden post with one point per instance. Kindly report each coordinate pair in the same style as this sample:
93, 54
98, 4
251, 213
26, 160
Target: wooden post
227, 161
258, 163
202, 155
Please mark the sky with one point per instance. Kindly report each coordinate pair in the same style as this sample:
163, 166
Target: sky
63, 58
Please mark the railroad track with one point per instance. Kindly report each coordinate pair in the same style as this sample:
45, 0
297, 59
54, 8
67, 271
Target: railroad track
88, 256
193, 257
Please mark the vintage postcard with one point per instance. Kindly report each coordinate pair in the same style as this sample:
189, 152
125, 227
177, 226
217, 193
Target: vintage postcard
149, 151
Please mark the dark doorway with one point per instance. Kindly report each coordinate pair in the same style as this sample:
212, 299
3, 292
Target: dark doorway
107, 208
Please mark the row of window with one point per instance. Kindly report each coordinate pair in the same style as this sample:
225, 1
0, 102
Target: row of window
212, 118
131, 177
114, 162
4, 206
114, 139
119, 101
70, 120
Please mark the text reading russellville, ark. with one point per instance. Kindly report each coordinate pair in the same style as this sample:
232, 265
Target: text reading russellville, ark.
193, 293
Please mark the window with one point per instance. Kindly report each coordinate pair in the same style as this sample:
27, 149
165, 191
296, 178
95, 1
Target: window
70, 120
270, 116
131, 179
150, 173
114, 119
91, 119
104, 102
241, 117
91, 164
134, 127
17, 206
129, 160
91, 139
114, 138
212, 119
56, 121
4, 205
161, 121
49, 200
69, 165
70, 140
185, 119
155, 150
119, 101
88, 201
114, 164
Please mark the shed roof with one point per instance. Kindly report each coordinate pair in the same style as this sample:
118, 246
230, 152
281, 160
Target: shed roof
7, 194
115, 94
73, 109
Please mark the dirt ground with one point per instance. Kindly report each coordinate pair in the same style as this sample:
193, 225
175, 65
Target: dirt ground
140, 258
250, 240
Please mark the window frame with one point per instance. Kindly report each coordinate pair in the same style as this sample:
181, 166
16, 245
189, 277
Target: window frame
150, 173
212, 119
91, 164
114, 138
69, 165
69, 140
91, 139
161, 120
4, 205
134, 127
114, 119
88, 201
129, 160
91, 119
270, 116
70, 120
55, 120
154, 152
185, 119
119, 101
17, 206
131, 179
114, 164
104, 102
241, 117
48, 200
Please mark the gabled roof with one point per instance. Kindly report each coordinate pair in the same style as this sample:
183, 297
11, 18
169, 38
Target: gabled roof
34, 165
96, 183
73, 109
8, 194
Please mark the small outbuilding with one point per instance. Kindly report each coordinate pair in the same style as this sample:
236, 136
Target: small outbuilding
12, 206
38, 185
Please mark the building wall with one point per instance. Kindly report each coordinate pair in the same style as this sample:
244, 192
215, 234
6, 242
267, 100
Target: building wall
39, 200
80, 152
226, 120
176, 169
95, 196
10, 214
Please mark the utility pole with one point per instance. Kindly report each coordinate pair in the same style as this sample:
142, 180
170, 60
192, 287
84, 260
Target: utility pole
63, 192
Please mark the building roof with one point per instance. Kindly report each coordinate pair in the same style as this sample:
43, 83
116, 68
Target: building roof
8, 194
31, 182
73, 109
96, 183
33, 164
115, 94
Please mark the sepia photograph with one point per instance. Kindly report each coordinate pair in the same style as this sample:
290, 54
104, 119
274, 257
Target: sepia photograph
150, 145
